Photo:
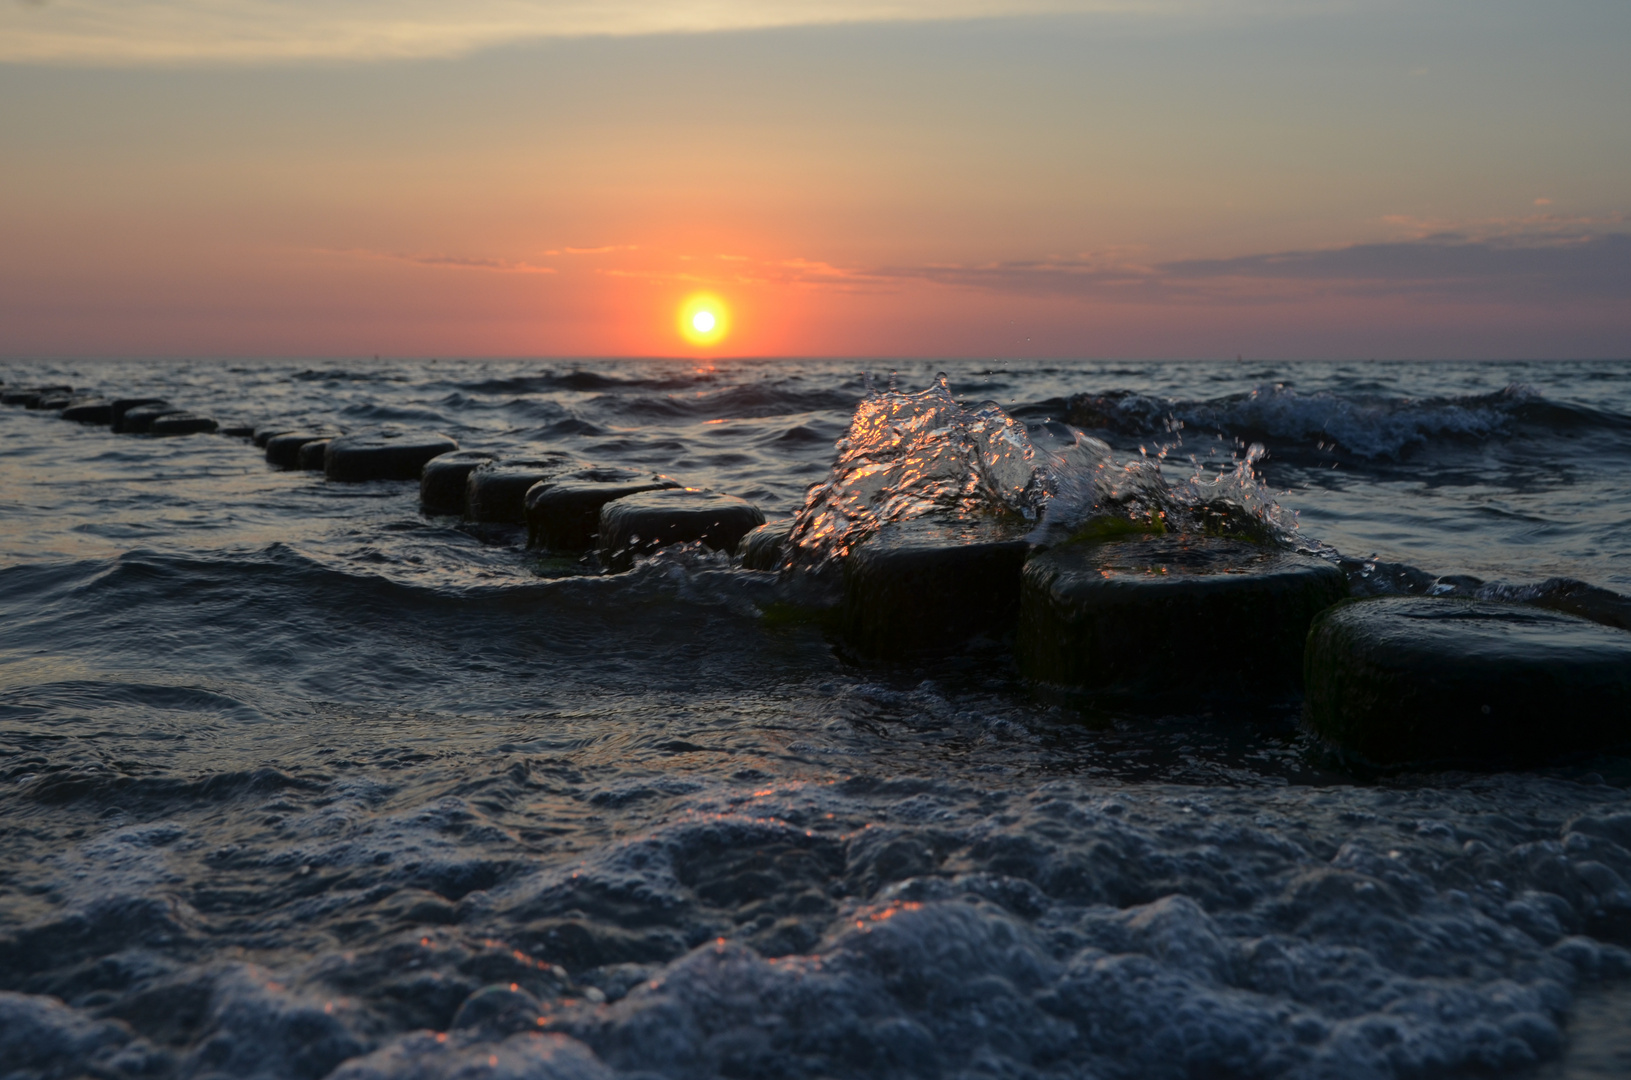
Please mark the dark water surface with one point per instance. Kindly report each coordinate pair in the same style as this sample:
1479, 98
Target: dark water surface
297, 782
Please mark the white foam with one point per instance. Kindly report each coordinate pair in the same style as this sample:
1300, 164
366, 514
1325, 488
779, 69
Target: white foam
260, 1027
429, 1055
1075, 930
1254, 953
40, 1036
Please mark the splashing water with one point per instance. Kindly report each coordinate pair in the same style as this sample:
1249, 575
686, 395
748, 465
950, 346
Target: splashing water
912, 455
1091, 494
908, 455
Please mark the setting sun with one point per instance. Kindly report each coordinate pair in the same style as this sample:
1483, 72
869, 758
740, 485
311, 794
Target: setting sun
704, 320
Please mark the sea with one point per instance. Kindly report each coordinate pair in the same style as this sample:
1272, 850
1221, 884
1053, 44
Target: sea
298, 782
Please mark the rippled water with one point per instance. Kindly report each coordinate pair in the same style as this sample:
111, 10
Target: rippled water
290, 773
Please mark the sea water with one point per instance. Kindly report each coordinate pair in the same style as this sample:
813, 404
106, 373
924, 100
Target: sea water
296, 781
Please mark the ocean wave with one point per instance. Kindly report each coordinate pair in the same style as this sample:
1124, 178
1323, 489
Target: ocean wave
346, 375
1365, 425
377, 413
354, 624
88, 697
579, 381
165, 793
745, 401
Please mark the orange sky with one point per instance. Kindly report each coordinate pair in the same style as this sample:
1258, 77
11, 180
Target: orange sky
1195, 179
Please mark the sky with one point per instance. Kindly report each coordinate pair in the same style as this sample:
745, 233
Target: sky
1175, 178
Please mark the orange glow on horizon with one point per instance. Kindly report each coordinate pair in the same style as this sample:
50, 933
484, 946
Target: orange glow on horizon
704, 320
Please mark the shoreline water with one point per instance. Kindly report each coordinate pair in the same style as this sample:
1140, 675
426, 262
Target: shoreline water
260, 732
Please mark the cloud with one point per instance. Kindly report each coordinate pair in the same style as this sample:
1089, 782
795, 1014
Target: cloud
1535, 228
808, 272
451, 262
122, 32
1589, 267
1583, 267
724, 270
1051, 276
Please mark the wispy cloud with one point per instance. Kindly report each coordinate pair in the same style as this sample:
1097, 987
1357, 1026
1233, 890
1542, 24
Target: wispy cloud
1106, 273
451, 262
212, 31
805, 272
1539, 227
723, 270
1515, 268
1576, 268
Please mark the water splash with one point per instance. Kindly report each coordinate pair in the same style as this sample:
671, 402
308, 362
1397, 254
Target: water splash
913, 455
1091, 494
910, 455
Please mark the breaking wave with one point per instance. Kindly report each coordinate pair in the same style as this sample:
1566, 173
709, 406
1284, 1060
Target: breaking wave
1365, 425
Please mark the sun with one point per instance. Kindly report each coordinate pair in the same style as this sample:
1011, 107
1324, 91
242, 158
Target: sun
704, 320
